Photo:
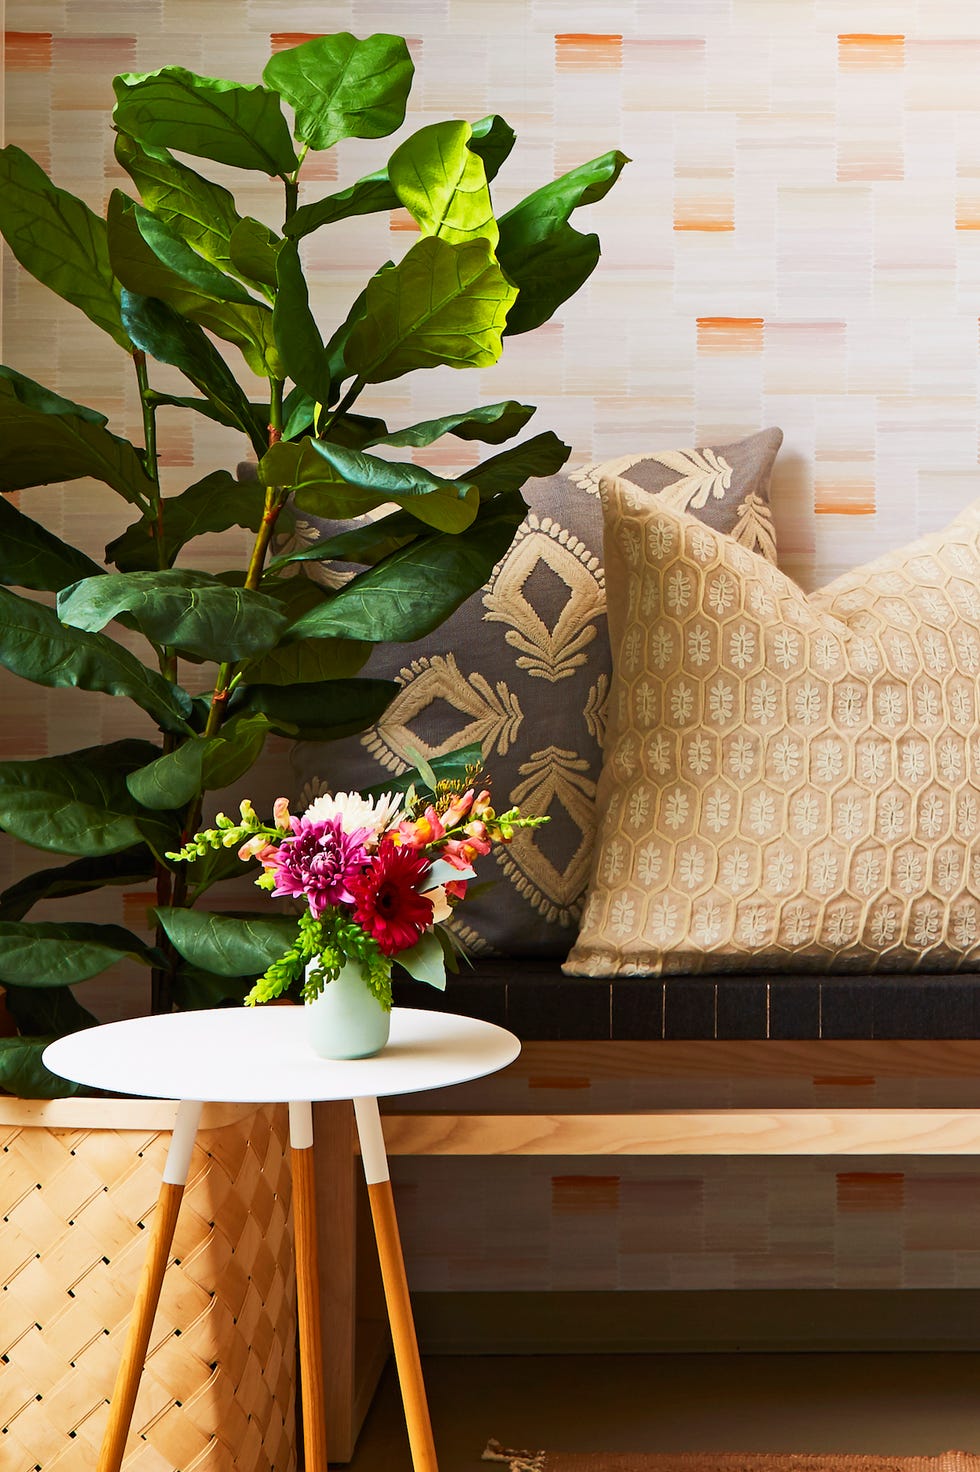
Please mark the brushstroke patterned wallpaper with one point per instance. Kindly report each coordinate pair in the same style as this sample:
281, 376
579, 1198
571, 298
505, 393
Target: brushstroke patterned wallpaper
796, 242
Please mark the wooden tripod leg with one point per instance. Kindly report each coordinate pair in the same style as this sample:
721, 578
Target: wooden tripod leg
307, 1287
399, 1304
162, 1227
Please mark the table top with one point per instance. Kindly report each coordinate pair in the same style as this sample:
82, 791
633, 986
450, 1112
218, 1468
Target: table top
252, 1055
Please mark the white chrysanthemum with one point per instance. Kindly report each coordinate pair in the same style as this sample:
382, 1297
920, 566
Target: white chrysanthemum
376, 813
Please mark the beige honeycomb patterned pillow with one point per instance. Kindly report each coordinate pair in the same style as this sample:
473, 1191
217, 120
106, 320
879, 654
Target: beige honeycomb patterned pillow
790, 781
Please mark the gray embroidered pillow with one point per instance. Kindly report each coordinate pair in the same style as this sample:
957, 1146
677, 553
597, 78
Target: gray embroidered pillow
523, 667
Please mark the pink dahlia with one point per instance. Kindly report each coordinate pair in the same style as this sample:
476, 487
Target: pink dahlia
319, 863
388, 904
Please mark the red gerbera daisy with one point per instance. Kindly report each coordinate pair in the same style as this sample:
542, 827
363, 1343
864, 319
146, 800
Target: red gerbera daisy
387, 903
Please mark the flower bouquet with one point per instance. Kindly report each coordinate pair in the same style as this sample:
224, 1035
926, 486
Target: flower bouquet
378, 876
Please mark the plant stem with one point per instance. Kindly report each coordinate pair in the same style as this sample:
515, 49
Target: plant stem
291, 182
274, 500
161, 977
148, 407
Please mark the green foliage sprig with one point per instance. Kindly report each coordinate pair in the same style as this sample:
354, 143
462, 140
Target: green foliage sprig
332, 942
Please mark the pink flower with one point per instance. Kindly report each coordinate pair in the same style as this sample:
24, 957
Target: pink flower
458, 809
319, 863
460, 852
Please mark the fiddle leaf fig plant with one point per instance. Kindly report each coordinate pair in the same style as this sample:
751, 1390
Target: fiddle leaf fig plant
176, 275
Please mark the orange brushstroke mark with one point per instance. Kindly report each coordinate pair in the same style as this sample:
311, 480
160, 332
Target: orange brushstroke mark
968, 214
282, 40
857, 163
730, 334
860, 49
854, 499
402, 220
704, 223
577, 49
859, 1191
28, 51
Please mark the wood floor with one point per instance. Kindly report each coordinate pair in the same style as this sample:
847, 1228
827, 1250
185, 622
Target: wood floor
888, 1403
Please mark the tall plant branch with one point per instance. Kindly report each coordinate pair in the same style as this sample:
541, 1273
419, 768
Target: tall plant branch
161, 977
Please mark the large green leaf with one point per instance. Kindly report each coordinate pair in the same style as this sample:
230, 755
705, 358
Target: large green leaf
338, 346
205, 116
172, 251
356, 431
539, 250
228, 945
46, 1011
78, 803
442, 304
58, 239
171, 338
411, 592
298, 413
32, 557
201, 212
199, 764
129, 866
538, 214
45, 400
213, 504
335, 482
322, 711
548, 272
36, 646
39, 445
297, 335
493, 423
22, 1072
492, 138
41, 954
341, 87
247, 324
190, 610
367, 196
443, 184
542, 455
254, 249
366, 544
308, 661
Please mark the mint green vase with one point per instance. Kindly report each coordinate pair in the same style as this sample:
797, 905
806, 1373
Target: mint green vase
346, 1020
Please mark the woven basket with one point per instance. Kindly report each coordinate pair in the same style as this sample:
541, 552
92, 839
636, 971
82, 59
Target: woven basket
78, 1182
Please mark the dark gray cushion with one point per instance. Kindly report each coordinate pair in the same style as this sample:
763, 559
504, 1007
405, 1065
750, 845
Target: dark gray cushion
523, 667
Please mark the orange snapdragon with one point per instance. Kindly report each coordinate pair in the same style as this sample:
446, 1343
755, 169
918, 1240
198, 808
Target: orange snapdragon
420, 832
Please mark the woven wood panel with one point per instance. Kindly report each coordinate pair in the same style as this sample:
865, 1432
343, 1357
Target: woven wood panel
218, 1389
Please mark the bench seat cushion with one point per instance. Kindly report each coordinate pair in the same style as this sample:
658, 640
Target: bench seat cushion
532, 998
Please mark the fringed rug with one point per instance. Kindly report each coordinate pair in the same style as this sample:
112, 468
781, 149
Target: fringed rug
530, 1461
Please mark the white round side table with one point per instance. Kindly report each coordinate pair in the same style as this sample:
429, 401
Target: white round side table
261, 1055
